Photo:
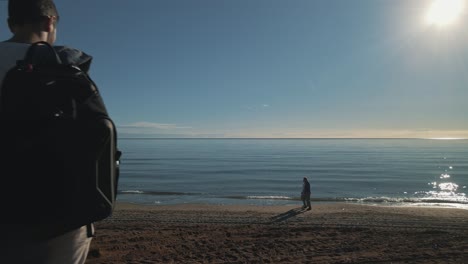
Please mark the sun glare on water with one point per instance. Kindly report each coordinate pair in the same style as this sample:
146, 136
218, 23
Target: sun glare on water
444, 12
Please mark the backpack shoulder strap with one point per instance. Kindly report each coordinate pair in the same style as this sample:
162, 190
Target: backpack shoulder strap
41, 52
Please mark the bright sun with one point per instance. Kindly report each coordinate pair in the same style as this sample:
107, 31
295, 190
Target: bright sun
444, 12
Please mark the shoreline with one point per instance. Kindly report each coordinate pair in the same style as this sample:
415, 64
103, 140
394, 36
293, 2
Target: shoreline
329, 233
298, 202
275, 207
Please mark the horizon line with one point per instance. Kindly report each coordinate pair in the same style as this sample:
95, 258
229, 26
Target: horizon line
441, 138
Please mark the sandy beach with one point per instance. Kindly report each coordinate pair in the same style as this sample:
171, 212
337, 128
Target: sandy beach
329, 233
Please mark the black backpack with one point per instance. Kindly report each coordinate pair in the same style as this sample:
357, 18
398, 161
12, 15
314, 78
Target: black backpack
59, 161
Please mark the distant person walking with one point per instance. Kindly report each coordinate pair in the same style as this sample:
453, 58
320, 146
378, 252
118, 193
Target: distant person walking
305, 194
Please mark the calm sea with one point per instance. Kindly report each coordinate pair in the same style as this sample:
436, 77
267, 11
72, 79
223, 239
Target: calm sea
270, 171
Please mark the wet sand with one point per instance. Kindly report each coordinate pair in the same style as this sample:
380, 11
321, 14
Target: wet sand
329, 233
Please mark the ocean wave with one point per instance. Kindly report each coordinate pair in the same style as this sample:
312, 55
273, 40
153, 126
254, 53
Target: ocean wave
365, 200
406, 200
269, 197
375, 200
154, 192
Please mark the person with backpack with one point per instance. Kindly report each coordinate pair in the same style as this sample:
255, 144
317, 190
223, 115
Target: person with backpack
27, 237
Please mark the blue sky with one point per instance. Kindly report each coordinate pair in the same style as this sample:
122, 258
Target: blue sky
273, 68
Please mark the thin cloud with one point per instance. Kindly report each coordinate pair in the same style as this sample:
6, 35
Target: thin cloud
150, 125
265, 133
256, 107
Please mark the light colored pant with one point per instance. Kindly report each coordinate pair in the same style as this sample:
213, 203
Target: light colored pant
69, 248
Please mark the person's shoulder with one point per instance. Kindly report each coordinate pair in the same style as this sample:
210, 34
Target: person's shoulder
13, 44
70, 55
8, 47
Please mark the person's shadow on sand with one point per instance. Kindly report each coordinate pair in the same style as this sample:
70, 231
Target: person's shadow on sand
285, 216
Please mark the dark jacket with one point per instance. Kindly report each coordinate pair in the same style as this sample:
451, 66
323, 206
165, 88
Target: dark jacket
306, 187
